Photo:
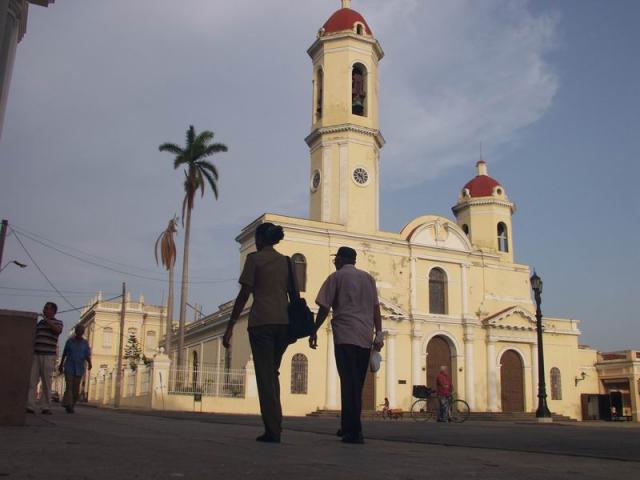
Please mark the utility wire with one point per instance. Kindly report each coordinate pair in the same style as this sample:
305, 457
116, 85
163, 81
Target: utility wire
61, 245
95, 264
43, 290
43, 274
30, 235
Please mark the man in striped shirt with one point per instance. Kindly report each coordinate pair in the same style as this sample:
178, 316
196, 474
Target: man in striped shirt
44, 358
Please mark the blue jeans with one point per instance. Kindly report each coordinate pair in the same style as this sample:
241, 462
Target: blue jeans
443, 411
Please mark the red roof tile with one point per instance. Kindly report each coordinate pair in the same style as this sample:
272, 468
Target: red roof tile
344, 19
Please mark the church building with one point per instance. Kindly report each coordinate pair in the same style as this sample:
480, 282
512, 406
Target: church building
452, 292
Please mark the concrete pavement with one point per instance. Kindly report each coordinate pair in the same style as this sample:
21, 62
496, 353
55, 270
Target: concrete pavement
101, 444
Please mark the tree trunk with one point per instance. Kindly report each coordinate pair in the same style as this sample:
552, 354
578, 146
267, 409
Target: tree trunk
183, 292
169, 316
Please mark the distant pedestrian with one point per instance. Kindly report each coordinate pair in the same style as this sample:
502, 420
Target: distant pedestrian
444, 389
266, 276
76, 352
44, 358
352, 295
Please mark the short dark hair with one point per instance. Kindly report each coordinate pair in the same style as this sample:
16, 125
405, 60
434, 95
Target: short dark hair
52, 305
347, 254
270, 233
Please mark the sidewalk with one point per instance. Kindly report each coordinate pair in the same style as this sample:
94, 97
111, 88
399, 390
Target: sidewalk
108, 444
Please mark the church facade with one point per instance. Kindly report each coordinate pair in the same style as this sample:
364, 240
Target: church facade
451, 290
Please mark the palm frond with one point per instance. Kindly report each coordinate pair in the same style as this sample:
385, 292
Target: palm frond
171, 148
199, 182
210, 167
191, 135
215, 148
212, 182
204, 137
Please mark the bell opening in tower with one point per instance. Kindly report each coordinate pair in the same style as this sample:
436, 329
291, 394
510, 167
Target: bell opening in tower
319, 87
359, 90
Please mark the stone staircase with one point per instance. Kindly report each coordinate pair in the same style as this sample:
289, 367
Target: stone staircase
477, 416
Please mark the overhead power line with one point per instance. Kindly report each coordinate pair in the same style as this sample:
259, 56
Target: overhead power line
29, 234
107, 267
42, 272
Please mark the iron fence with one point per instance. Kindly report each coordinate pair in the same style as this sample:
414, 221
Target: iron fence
208, 381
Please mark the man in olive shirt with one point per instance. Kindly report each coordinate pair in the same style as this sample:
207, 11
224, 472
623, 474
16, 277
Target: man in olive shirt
266, 276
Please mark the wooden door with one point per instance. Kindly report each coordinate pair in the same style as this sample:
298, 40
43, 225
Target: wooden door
438, 355
369, 391
512, 382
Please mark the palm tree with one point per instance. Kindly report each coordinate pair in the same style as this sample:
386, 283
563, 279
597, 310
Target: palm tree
197, 173
168, 256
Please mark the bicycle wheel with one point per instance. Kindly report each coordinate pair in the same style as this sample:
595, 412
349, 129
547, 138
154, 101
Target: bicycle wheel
419, 410
459, 411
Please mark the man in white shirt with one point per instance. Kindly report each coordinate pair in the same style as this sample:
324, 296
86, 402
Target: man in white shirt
353, 296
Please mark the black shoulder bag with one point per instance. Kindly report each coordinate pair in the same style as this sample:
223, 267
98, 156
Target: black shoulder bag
301, 322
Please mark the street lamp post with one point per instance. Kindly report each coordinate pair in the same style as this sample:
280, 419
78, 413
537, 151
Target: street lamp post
14, 262
542, 413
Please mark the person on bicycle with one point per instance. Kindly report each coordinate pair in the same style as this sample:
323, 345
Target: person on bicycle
444, 389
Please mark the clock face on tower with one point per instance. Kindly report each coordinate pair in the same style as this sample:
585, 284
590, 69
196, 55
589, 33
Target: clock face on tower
315, 180
361, 176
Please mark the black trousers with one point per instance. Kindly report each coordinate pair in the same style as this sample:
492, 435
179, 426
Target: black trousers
268, 344
352, 362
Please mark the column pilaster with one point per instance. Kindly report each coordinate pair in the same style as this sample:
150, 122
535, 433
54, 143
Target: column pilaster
469, 373
390, 371
492, 377
331, 392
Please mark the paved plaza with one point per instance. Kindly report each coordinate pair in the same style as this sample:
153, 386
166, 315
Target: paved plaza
101, 444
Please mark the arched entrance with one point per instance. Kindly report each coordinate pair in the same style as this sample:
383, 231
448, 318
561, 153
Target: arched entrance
438, 355
512, 382
369, 391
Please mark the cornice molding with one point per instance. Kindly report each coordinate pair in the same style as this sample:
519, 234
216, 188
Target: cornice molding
346, 127
484, 201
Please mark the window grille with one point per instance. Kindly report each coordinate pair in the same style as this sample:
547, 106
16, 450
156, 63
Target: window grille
556, 384
300, 270
299, 373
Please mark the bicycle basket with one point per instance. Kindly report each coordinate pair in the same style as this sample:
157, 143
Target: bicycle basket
422, 391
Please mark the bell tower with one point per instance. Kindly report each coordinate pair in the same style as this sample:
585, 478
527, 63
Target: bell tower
345, 139
484, 212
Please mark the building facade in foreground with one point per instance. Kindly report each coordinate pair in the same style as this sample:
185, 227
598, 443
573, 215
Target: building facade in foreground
13, 26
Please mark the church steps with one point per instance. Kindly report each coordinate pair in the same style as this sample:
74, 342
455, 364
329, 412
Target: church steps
477, 416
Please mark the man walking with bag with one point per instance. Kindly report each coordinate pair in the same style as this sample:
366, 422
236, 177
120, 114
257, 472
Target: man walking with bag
352, 295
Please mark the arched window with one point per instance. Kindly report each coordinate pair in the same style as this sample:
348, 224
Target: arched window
300, 271
195, 365
556, 384
107, 337
503, 238
151, 343
299, 369
437, 291
465, 229
359, 29
359, 90
319, 92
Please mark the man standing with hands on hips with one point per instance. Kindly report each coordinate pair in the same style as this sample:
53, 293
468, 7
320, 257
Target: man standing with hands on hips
353, 296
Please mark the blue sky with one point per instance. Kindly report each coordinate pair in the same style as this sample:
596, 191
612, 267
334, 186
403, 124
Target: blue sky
551, 89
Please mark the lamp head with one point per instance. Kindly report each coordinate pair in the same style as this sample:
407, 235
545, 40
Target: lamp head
20, 264
536, 282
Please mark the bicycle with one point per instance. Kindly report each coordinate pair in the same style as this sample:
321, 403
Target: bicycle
426, 407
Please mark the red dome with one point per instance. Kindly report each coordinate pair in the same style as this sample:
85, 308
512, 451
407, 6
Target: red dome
482, 186
344, 19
